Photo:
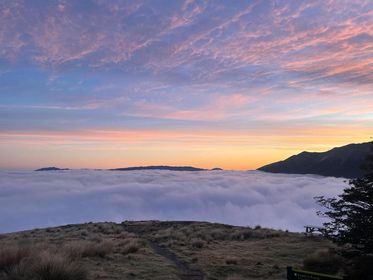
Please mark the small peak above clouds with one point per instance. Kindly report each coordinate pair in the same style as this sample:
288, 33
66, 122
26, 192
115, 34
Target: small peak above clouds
52, 168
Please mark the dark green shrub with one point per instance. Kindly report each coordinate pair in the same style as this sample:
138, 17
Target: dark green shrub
323, 261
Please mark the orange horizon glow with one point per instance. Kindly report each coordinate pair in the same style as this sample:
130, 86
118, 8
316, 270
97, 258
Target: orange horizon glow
113, 149
230, 84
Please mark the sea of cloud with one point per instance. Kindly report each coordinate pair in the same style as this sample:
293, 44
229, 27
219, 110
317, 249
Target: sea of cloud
31, 199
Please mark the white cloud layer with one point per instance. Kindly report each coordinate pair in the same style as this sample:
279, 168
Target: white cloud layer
41, 199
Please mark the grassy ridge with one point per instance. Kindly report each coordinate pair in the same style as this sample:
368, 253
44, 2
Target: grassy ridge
122, 251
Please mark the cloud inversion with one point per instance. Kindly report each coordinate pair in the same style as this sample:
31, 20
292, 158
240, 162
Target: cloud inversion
248, 198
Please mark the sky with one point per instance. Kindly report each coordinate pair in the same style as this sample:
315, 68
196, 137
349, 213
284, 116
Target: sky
31, 199
231, 84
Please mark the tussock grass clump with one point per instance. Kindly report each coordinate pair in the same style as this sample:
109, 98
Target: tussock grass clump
264, 234
74, 250
177, 235
50, 266
197, 243
107, 228
212, 233
24, 262
231, 260
96, 238
83, 233
125, 235
241, 234
131, 245
235, 277
163, 235
98, 249
324, 261
11, 255
219, 234
79, 249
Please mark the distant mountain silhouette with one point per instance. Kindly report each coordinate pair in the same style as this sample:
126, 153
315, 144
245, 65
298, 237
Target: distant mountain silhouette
51, 169
160, 167
155, 167
346, 161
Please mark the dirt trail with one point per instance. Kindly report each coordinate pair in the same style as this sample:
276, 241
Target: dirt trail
186, 271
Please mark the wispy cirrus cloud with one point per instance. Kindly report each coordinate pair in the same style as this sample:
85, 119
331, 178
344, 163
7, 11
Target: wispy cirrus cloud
95, 33
300, 37
184, 65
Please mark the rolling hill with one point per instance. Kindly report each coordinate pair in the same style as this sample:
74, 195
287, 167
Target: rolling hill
346, 161
142, 250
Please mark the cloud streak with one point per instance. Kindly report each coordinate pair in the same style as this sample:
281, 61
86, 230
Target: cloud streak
197, 67
297, 36
37, 199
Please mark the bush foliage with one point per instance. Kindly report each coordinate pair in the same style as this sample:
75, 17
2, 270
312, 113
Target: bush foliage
351, 222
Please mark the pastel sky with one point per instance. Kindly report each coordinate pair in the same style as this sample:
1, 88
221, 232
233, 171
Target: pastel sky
234, 84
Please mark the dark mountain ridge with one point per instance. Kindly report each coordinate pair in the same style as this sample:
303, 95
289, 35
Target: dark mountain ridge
346, 161
160, 167
52, 169
133, 168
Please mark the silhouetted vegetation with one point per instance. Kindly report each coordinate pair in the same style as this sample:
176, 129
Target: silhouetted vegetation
324, 261
351, 222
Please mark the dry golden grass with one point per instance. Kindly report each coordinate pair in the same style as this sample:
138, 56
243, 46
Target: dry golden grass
238, 252
105, 250
113, 251
42, 262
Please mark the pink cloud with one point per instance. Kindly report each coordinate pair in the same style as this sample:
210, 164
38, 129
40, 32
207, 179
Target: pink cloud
218, 107
61, 35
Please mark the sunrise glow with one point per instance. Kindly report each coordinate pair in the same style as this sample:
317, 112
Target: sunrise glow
231, 84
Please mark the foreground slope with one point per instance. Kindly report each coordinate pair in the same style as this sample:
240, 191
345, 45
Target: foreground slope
343, 161
163, 250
